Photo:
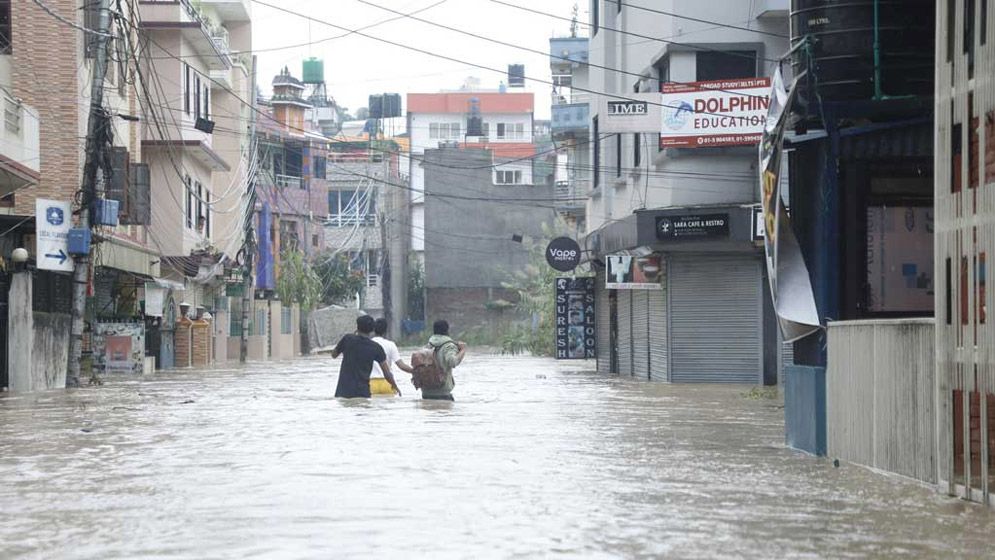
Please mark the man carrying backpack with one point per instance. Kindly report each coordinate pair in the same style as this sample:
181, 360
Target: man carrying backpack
433, 366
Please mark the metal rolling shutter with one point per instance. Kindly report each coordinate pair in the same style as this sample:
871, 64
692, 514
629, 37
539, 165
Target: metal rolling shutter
625, 332
640, 334
658, 334
787, 358
716, 327
603, 320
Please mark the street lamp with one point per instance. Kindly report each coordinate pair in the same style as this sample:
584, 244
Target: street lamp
20, 258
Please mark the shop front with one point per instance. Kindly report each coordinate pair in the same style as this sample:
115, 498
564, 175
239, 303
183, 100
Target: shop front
681, 297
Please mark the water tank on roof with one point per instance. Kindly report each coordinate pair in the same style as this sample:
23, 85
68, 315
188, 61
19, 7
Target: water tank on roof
314, 71
846, 62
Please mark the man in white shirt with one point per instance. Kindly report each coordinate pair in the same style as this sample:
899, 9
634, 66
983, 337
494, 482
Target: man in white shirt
378, 384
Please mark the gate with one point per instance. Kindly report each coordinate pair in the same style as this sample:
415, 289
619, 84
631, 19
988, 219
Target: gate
166, 336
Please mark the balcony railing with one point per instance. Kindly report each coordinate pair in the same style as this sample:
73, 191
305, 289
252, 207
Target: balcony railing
288, 182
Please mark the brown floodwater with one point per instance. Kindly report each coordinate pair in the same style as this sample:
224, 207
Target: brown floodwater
535, 459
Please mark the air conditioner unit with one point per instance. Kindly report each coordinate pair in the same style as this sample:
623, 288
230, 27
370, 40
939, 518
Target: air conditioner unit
204, 125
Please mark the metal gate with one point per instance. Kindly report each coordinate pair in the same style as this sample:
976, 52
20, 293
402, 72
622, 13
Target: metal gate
657, 306
167, 351
716, 319
624, 332
4, 297
640, 334
603, 320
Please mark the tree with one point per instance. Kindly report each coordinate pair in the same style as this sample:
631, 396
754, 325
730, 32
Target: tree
338, 281
416, 292
298, 282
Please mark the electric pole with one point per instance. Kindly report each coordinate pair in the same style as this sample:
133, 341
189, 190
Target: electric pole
249, 244
96, 135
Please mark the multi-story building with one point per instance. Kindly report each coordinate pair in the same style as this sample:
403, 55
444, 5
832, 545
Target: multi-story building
570, 127
197, 105
673, 220
498, 121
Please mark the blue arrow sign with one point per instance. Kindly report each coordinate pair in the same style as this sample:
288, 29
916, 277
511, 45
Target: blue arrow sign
61, 256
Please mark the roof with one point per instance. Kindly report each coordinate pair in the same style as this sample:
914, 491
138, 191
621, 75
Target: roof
459, 102
504, 150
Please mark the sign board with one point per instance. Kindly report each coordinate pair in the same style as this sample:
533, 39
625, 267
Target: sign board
625, 272
563, 254
636, 112
575, 328
758, 228
713, 113
692, 227
53, 219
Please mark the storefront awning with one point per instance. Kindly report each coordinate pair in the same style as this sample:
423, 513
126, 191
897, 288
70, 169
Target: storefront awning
122, 255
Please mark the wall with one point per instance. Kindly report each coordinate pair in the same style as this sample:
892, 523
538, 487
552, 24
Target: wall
330, 324
37, 343
50, 359
881, 396
468, 242
466, 309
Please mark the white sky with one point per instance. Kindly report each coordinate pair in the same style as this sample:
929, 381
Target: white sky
356, 66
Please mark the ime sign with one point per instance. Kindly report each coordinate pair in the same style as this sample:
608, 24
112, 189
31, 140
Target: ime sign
575, 330
622, 108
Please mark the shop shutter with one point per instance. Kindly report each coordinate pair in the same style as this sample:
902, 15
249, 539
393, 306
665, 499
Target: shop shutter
603, 320
657, 305
625, 332
716, 328
640, 334
787, 357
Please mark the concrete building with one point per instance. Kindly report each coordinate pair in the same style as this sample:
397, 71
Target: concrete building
571, 127
677, 216
502, 123
469, 244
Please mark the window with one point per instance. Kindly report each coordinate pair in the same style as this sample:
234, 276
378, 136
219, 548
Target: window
725, 65
618, 155
964, 309
949, 299
502, 130
207, 102
510, 131
618, 6
349, 207
637, 150
288, 235
444, 131
595, 8
990, 147
956, 170
286, 320
196, 94
983, 32
979, 283
951, 26
320, 167
485, 130
189, 193
597, 151
973, 145
6, 44
314, 239
969, 35
207, 214
508, 177
201, 220
187, 83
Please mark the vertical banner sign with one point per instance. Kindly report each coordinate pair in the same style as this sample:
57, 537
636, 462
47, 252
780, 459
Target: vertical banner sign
790, 285
53, 218
575, 331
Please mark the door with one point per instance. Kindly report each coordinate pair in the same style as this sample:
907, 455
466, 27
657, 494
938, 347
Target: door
716, 319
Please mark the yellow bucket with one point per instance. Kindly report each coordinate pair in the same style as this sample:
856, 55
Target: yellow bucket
380, 386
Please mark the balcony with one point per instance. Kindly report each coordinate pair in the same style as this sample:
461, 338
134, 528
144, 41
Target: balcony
570, 196
567, 53
20, 156
570, 115
772, 9
288, 182
195, 26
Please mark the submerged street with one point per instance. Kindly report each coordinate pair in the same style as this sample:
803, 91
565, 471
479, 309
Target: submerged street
534, 459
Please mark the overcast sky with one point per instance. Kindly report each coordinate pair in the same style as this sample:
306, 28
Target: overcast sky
357, 66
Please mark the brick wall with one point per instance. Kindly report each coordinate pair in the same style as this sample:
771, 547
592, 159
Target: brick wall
45, 75
182, 344
201, 341
466, 308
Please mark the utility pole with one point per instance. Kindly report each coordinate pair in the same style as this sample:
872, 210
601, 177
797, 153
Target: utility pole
96, 135
250, 242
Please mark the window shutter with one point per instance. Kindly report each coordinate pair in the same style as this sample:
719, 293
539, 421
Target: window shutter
139, 196
117, 184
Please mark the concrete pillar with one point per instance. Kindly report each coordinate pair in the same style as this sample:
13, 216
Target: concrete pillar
20, 333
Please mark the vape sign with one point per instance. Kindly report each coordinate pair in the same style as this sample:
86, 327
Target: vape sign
563, 254
575, 331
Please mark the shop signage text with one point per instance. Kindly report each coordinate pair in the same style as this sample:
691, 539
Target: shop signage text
626, 272
714, 113
576, 335
623, 108
53, 218
563, 254
692, 227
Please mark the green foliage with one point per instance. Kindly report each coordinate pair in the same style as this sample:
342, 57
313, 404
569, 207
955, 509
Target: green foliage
338, 282
416, 292
298, 282
535, 288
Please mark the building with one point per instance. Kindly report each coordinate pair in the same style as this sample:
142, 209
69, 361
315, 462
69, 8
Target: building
669, 218
198, 110
570, 127
965, 237
470, 246
499, 121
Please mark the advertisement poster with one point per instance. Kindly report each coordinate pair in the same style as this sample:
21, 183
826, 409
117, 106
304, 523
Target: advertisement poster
626, 272
575, 330
119, 347
900, 259
714, 113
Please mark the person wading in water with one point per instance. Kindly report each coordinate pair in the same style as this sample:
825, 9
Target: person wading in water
359, 353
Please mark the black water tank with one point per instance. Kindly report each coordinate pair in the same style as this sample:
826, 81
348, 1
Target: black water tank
842, 33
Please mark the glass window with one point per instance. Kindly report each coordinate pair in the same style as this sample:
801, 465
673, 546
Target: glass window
286, 320
728, 65
5, 28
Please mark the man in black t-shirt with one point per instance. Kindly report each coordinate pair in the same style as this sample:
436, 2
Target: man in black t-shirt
359, 352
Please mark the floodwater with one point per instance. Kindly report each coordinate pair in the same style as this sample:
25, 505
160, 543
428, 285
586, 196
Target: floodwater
535, 459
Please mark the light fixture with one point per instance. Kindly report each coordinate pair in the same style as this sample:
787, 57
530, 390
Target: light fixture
20, 255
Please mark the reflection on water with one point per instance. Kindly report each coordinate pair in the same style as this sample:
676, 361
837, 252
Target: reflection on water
532, 459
